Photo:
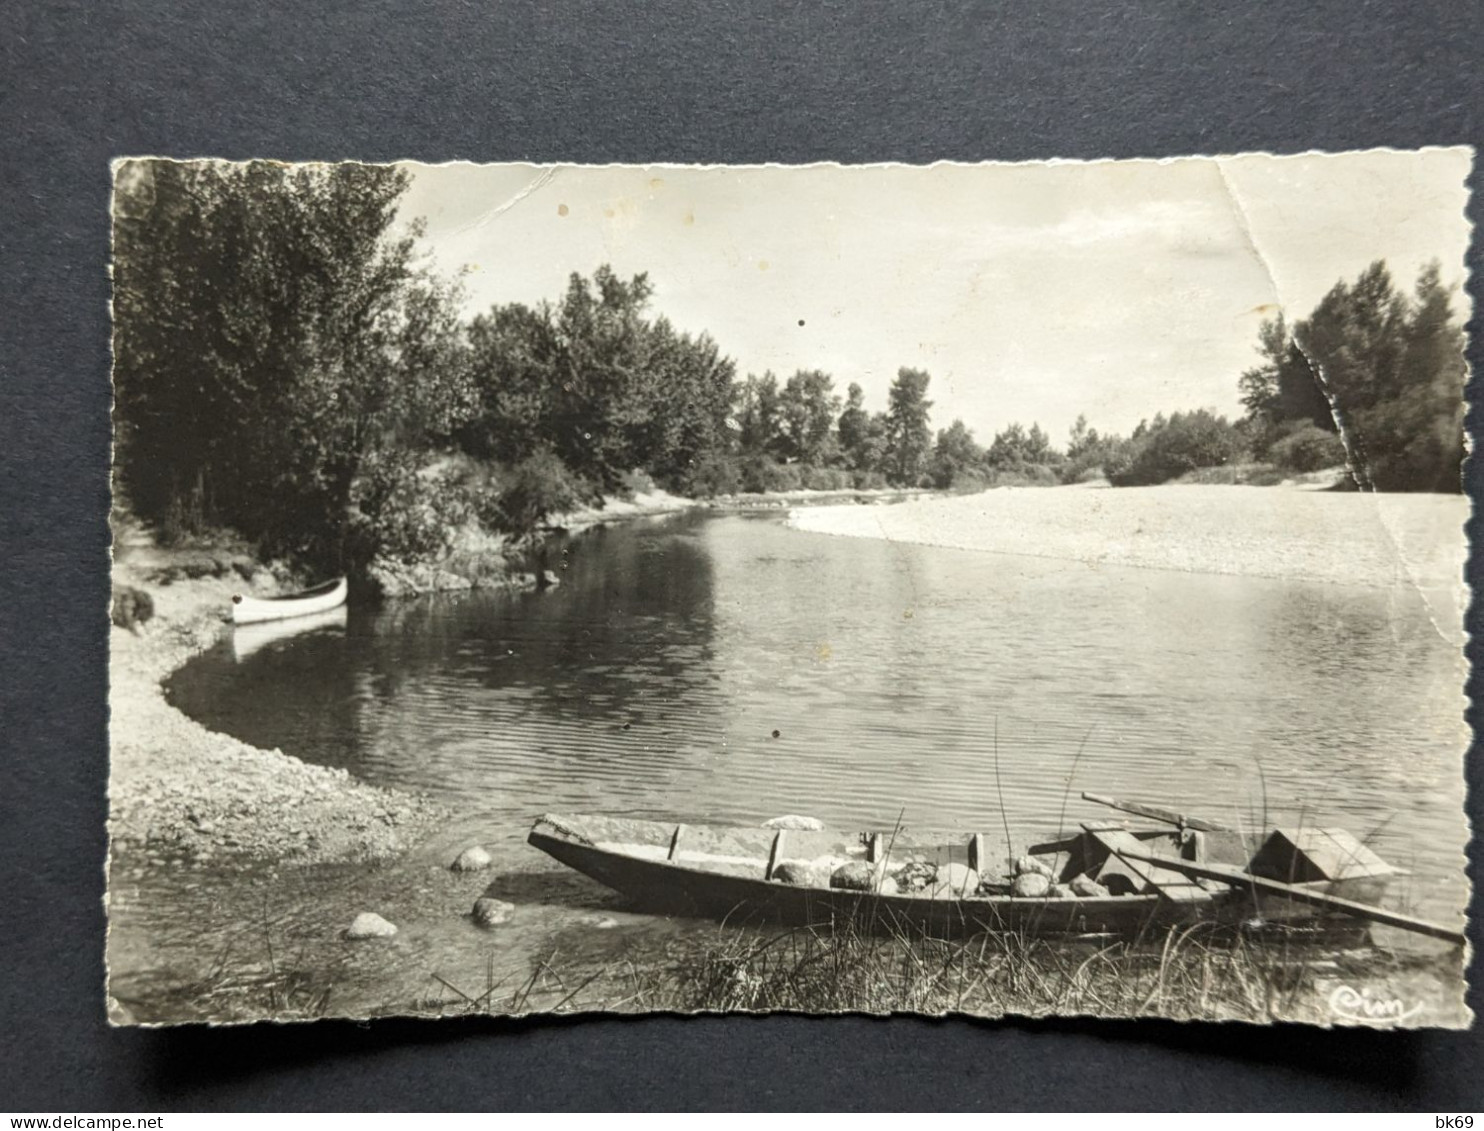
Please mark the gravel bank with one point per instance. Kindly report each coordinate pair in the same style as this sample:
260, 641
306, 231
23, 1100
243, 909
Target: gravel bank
180, 792
1334, 537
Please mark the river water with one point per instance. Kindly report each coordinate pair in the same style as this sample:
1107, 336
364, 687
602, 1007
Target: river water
727, 668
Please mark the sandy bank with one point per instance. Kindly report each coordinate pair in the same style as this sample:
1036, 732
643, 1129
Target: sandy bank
1333, 537
643, 504
180, 792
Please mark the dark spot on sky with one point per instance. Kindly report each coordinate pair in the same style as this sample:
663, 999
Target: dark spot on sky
801, 321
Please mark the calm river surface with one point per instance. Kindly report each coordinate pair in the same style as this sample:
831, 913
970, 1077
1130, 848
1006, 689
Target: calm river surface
726, 668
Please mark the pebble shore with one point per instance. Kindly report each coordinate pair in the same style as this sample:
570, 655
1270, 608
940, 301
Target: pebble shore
183, 794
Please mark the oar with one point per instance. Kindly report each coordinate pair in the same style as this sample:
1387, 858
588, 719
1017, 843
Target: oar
1154, 813
1237, 877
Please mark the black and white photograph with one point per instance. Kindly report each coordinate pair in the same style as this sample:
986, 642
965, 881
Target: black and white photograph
1028, 589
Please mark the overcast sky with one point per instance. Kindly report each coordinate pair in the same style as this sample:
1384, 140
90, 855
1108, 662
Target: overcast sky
1029, 292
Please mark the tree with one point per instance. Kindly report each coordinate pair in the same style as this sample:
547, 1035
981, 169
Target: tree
1383, 369
853, 428
687, 391
261, 340
807, 409
1038, 446
1016, 447
908, 438
957, 459
1088, 452
1082, 439
595, 384
759, 415
513, 358
601, 365
873, 446
1413, 433
1165, 449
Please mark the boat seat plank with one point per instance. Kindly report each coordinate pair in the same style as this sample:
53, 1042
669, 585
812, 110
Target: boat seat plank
774, 855
1172, 885
977, 855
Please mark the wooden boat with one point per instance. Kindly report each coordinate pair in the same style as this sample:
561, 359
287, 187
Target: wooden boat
1140, 878
320, 599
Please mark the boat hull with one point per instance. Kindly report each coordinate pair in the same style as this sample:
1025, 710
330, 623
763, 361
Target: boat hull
664, 886
321, 599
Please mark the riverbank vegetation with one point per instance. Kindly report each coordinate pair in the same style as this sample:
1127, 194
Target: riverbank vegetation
1191, 973
1182, 973
288, 366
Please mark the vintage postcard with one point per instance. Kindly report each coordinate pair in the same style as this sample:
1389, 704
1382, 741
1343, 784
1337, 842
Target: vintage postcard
997, 589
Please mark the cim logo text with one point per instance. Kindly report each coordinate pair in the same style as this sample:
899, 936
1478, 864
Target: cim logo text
1370, 1008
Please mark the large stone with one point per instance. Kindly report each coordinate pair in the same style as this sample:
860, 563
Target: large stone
1087, 888
472, 859
1030, 866
855, 876
916, 875
1030, 885
803, 873
491, 912
369, 925
860, 876
955, 881
131, 607
794, 821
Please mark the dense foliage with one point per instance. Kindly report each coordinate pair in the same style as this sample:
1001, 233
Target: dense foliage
263, 337
285, 366
1167, 448
1383, 370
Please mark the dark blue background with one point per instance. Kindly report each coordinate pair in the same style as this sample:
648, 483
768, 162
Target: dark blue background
625, 81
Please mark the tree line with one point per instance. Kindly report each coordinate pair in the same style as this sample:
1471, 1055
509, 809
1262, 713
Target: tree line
286, 365
1372, 380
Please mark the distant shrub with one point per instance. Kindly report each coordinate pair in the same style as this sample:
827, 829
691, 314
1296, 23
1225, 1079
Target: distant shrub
826, 478
533, 489
711, 476
1168, 449
1307, 448
1235, 474
635, 482
763, 474
1091, 459
867, 480
1025, 475
969, 479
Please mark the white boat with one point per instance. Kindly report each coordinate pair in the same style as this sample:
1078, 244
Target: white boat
320, 599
